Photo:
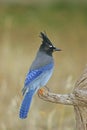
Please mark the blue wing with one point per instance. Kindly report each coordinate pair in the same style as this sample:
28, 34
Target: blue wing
33, 74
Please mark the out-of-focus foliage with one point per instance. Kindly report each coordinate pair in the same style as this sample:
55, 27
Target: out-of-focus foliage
20, 25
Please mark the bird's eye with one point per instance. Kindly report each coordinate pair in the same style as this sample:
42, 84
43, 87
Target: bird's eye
50, 46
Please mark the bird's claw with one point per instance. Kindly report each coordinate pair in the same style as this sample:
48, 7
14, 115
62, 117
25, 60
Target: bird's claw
41, 91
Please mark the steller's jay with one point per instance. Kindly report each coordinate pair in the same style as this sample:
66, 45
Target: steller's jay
39, 73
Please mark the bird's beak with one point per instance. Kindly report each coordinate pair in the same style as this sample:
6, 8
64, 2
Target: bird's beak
57, 49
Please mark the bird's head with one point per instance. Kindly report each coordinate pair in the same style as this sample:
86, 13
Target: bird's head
47, 45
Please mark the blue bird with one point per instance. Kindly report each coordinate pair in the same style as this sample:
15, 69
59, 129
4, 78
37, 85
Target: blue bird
39, 73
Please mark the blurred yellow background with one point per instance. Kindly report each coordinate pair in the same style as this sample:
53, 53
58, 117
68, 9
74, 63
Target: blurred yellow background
65, 23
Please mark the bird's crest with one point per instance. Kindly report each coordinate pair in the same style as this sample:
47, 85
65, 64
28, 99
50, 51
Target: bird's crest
45, 39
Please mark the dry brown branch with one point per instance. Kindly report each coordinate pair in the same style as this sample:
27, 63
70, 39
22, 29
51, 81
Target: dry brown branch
78, 98
66, 99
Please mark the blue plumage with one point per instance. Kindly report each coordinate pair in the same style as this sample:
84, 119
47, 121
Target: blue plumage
32, 84
35, 73
26, 104
32, 75
39, 74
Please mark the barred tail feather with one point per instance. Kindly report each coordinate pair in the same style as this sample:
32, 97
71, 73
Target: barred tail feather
25, 106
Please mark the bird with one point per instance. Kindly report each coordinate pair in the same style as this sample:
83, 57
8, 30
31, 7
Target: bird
39, 73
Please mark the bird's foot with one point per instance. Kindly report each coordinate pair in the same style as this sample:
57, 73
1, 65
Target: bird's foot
41, 91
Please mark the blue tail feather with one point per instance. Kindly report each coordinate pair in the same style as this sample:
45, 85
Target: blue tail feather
25, 106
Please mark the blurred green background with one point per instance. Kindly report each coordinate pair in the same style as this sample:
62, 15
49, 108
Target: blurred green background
65, 22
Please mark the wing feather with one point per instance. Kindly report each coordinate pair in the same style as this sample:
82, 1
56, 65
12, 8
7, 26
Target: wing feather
33, 74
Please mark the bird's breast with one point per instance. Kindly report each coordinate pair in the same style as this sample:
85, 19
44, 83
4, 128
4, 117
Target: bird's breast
45, 77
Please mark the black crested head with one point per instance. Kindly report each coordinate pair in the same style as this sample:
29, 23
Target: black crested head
47, 45
45, 39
